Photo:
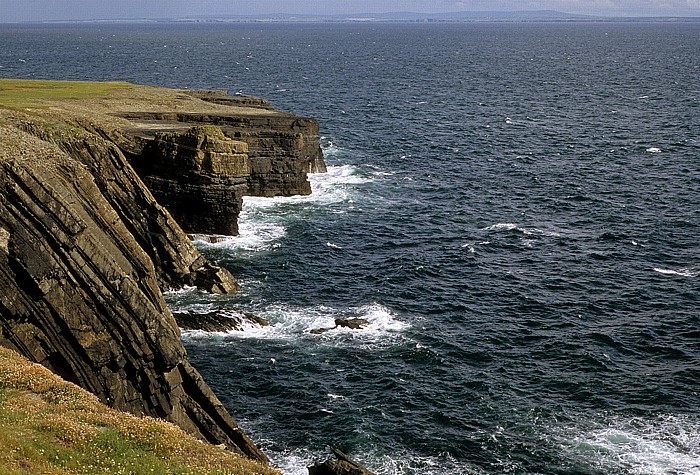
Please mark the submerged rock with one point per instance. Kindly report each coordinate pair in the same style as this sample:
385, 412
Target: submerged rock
341, 465
222, 320
351, 323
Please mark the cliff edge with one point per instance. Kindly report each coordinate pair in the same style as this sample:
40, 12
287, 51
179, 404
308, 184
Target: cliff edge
86, 247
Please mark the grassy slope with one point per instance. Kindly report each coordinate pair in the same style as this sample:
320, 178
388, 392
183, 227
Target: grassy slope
19, 93
106, 98
48, 425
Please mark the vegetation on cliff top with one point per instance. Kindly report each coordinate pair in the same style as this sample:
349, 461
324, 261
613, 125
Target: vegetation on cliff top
48, 425
19, 93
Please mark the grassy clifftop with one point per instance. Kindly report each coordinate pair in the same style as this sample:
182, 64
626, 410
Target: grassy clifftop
108, 98
48, 425
21, 93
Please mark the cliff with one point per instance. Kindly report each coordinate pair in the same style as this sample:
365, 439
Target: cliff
86, 249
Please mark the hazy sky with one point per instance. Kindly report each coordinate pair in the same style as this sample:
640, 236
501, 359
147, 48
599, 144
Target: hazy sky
33, 10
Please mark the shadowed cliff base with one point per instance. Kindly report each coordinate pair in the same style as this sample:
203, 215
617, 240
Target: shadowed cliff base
86, 249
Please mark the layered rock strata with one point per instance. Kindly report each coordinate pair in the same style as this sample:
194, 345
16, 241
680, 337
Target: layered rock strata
79, 292
86, 249
282, 148
199, 175
200, 165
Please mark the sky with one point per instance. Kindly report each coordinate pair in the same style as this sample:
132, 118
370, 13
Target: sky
41, 10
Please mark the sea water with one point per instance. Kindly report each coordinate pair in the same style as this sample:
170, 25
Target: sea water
514, 208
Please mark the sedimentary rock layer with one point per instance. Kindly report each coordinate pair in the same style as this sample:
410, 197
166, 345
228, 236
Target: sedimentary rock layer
86, 250
200, 175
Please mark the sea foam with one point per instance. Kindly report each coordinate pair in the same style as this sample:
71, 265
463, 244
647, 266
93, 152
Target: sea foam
669, 444
292, 323
263, 222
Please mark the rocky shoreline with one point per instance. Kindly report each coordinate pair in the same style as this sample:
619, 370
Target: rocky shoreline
100, 184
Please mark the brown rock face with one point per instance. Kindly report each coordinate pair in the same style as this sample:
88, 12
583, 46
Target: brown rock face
341, 465
86, 248
200, 176
81, 241
282, 149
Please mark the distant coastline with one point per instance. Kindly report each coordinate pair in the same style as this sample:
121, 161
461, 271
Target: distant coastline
536, 16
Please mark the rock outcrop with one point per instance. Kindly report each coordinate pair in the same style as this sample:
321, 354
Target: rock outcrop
341, 465
80, 294
199, 175
260, 151
86, 249
222, 320
351, 323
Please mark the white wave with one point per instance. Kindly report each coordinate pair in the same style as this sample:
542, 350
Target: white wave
333, 246
184, 291
329, 148
469, 248
326, 188
190, 299
681, 272
501, 227
263, 222
295, 462
293, 323
653, 150
254, 235
667, 445
528, 231
398, 462
339, 175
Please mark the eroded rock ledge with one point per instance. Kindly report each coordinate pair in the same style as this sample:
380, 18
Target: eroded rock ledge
86, 250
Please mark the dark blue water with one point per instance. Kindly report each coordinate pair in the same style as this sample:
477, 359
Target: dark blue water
515, 208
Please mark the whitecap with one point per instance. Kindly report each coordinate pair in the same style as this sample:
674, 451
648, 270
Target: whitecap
398, 461
329, 149
292, 323
680, 272
333, 246
254, 235
669, 444
654, 150
295, 462
528, 231
501, 227
263, 222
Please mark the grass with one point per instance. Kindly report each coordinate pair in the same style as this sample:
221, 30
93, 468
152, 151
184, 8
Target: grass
22, 93
48, 425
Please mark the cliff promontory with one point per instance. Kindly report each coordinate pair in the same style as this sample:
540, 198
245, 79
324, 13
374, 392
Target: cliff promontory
96, 180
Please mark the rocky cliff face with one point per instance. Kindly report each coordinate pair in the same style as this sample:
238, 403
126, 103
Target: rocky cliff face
86, 250
200, 165
200, 175
79, 288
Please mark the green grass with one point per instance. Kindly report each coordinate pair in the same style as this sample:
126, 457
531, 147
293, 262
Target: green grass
22, 93
49, 426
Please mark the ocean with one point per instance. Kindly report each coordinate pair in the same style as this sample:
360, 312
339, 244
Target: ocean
514, 207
